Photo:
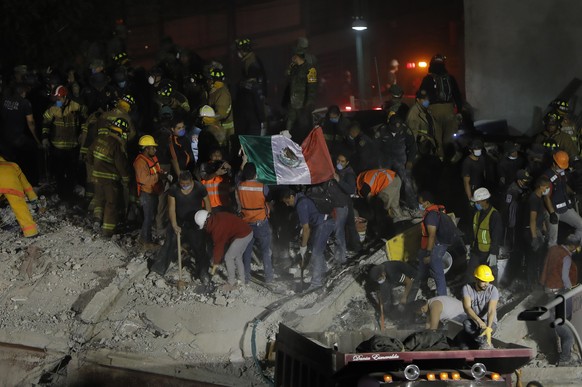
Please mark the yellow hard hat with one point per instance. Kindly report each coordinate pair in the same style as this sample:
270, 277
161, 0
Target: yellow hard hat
147, 140
484, 273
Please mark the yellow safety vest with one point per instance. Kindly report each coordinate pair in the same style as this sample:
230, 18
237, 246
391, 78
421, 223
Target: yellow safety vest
482, 233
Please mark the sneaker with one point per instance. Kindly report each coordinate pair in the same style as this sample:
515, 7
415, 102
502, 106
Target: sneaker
313, 287
568, 363
486, 346
228, 287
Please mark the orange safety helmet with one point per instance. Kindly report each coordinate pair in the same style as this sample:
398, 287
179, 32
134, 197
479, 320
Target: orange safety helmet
562, 160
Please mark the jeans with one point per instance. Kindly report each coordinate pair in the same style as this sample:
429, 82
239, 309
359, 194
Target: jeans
569, 217
436, 267
149, 204
233, 258
262, 235
319, 242
352, 237
341, 216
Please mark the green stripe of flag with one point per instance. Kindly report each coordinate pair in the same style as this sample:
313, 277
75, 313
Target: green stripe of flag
259, 151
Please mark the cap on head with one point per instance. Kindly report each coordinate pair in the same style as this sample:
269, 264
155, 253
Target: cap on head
438, 58
484, 273
376, 272
396, 91
421, 94
481, 194
510, 147
60, 92
476, 144
523, 174
96, 63
562, 159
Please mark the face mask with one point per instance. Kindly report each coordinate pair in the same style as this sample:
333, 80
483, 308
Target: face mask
381, 281
478, 206
122, 84
334, 120
477, 152
186, 187
546, 191
181, 132
421, 207
339, 166
425, 103
59, 104
151, 79
512, 157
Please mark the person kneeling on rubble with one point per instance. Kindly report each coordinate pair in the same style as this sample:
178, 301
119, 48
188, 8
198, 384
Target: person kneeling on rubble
480, 304
227, 229
387, 276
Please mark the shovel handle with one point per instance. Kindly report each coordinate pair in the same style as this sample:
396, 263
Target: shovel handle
381, 312
180, 256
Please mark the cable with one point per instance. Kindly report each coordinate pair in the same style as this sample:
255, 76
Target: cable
270, 381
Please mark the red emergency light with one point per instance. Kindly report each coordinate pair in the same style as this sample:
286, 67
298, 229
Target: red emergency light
410, 65
348, 108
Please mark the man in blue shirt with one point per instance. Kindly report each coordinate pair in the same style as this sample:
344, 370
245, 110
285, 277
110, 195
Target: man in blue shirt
312, 222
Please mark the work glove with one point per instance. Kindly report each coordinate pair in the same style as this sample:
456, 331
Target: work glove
553, 218
213, 269
46, 144
169, 177
487, 331
492, 260
302, 251
537, 243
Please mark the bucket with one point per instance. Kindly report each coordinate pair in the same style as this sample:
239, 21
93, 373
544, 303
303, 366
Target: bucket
361, 227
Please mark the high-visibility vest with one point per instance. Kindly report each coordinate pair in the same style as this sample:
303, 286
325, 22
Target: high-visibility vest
552, 272
435, 207
252, 201
217, 188
154, 168
482, 231
377, 179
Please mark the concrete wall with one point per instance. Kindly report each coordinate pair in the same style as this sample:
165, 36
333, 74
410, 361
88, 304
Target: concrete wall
519, 55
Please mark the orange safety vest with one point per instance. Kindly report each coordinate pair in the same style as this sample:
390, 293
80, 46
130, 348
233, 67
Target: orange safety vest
434, 207
154, 167
377, 179
252, 201
217, 188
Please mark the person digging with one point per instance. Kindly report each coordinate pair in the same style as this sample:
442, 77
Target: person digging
226, 229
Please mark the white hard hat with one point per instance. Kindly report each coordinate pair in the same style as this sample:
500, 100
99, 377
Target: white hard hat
207, 111
200, 218
481, 194
394, 63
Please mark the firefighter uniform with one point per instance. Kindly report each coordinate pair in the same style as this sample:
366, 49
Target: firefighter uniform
62, 125
221, 101
111, 176
255, 212
561, 139
15, 186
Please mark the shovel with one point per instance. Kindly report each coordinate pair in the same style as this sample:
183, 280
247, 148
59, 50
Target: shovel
382, 327
181, 284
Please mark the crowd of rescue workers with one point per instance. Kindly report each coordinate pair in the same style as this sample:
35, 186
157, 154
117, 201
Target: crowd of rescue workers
158, 151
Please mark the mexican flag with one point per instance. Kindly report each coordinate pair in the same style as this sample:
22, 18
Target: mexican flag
279, 160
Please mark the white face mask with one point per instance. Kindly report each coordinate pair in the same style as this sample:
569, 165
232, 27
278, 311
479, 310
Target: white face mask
512, 157
151, 79
546, 191
477, 152
380, 282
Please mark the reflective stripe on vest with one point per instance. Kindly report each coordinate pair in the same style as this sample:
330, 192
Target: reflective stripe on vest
217, 191
482, 231
252, 200
370, 178
153, 166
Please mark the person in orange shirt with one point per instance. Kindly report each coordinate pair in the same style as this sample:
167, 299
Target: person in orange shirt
15, 187
148, 175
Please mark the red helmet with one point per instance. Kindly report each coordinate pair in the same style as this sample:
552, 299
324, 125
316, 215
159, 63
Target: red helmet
60, 92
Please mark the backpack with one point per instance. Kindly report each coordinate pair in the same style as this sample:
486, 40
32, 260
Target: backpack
443, 87
447, 231
321, 196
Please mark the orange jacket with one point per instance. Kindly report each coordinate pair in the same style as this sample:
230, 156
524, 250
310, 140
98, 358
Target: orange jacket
218, 191
147, 172
252, 201
13, 181
552, 273
377, 179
